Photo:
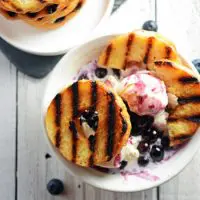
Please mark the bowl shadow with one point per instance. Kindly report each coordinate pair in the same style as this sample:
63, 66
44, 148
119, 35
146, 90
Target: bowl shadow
31, 65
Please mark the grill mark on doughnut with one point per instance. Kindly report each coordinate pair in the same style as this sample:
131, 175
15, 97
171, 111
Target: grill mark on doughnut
31, 15
92, 139
94, 94
182, 137
163, 63
57, 103
124, 126
194, 118
168, 51
188, 80
73, 129
128, 48
111, 125
58, 138
191, 99
75, 99
148, 50
108, 53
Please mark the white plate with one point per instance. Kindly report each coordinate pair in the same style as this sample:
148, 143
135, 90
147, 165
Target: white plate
55, 42
62, 76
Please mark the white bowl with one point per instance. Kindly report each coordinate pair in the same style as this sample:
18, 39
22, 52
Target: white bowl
62, 76
54, 42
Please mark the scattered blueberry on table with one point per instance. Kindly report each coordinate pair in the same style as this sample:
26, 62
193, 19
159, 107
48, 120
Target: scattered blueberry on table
196, 63
55, 187
150, 25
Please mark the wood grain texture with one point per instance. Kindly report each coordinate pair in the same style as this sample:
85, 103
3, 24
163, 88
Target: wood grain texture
7, 124
180, 20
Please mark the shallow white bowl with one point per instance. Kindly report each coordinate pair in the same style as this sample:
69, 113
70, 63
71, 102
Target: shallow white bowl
62, 76
54, 42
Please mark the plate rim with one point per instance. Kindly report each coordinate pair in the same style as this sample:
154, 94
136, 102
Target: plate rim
179, 168
105, 17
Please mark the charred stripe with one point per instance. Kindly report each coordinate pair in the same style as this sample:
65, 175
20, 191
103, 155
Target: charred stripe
92, 140
108, 52
194, 118
128, 48
168, 51
111, 125
94, 94
182, 137
75, 99
187, 80
148, 51
124, 126
58, 138
163, 63
192, 99
72, 128
57, 103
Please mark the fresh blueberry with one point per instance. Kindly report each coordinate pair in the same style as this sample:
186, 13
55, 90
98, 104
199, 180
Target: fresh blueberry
101, 72
150, 26
91, 117
123, 164
151, 135
117, 72
143, 161
165, 142
55, 186
157, 153
196, 63
143, 146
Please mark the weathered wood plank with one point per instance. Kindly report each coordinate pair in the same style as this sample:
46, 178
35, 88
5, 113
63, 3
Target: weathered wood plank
34, 170
7, 124
180, 20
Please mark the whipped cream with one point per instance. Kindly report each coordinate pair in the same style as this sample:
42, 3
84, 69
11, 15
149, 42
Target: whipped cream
129, 153
88, 131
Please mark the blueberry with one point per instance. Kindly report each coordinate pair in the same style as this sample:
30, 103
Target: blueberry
83, 76
143, 146
151, 135
117, 72
101, 72
143, 161
196, 63
150, 26
123, 164
55, 186
145, 121
91, 117
157, 153
165, 142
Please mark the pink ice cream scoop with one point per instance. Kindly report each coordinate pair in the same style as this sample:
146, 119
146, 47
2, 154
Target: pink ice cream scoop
144, 93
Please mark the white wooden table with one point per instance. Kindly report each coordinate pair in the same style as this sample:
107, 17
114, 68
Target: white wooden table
24, 170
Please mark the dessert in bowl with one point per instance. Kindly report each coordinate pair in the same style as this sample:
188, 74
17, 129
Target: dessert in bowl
122, 111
